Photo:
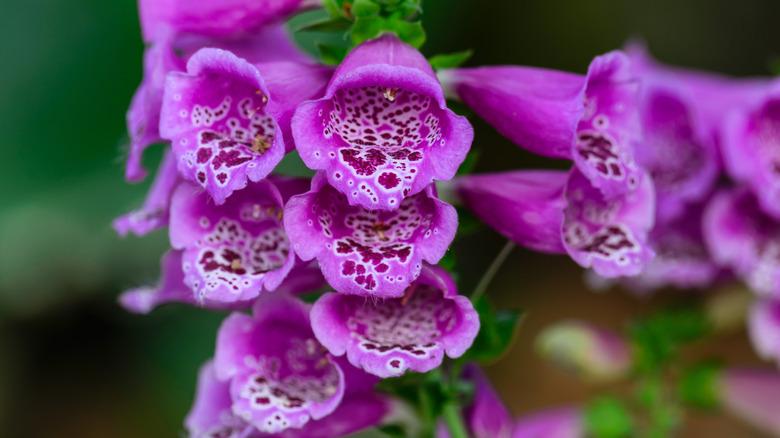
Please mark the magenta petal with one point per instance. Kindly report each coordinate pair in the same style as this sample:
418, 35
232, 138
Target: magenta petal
170, 290
739, 235
752, 395
566, 422
364, 252
764, 329
524, 206
234, 251
608, 235
385, 338
154, 213
609, 128
280, 376
383, 131
211, 415
487, 415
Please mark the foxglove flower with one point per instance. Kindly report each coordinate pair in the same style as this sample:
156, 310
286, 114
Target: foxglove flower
740, 236
556, 212
382, 132
154, 213
280, 376
223, 117
486, 416
365, 252
234, 251
385, 338
212, 416
753, 396
590, 119
564, 422
750, 150
764, 329
169, 52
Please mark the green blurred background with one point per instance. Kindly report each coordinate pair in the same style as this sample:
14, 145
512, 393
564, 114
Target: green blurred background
73, 364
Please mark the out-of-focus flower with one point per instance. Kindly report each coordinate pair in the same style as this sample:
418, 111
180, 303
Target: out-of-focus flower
753, 396
563, 422
368, 252
764, 329
223, 117
387, 337
382, 132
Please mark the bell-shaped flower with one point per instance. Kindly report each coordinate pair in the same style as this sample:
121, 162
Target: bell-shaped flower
280, 376
234, 251
382, 132
554, 211
169, 52
369, 252
223, 117
156, 208
387, 337
562, 422
764, 329
742, 237
751, 395
590, 119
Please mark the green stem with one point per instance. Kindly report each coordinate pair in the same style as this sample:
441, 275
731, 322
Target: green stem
491, 272
452, 417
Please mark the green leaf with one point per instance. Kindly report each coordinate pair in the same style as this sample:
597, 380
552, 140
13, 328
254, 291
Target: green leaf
450, 60
699, 385
326, 25
334, 7
606, 417
496, 333
332, 54
658, 338
365, 8
410, 33
366, 28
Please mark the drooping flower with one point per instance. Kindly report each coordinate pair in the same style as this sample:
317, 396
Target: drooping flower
154, 213
169, 52
590, 119
590, 352
764, 329
366, 252
280, 377
742, 237
387, 337
752, 395
382, 132
234, 251
223, 117
553, 211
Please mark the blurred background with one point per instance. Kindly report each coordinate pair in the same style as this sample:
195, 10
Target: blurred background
74, 364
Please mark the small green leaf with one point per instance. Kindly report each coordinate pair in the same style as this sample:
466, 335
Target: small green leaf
366, 28
326, 25
332, 54
496, 333
410, 33
334, 7
450, 60
365, 8
606, 417
699, 385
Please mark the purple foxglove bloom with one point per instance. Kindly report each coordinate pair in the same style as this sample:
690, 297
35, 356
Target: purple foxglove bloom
565, 422
749, 147
233, 251
223, 118
486, 416
154, 213
740, 236
382, 131
753, 396
764, 329
591, 119
215, 18
169, 52
385, 338
365, 252
280, 376
590, 352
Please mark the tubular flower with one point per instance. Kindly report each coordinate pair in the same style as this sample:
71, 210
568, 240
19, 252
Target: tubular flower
382, 132
740, 236
280, 377
223, 118
385, 338
753, 396
155, 211
553, 211
565, 422
169, 52
589, 119
365, 252
764, 329
486, 416
234, 251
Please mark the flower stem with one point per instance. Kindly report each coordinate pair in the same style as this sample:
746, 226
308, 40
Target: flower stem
492, 270
452, 417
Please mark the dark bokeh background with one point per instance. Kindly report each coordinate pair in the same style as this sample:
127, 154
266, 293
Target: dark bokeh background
73, 364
